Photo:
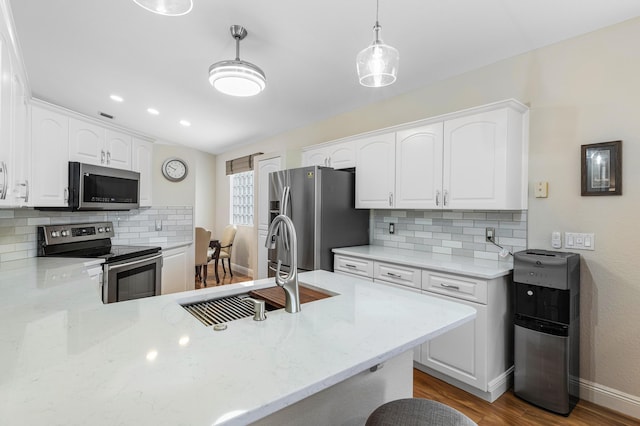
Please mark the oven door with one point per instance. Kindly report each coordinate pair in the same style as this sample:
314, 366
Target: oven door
132, 278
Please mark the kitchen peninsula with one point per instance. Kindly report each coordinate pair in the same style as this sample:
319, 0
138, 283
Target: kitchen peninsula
69, 359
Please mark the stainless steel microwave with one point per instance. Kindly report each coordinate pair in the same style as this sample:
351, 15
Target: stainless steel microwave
102, 188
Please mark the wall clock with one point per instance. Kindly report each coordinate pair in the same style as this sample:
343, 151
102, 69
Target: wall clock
174, 169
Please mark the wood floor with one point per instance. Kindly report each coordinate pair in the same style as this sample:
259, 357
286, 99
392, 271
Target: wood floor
224, 278
511, 410
506, 410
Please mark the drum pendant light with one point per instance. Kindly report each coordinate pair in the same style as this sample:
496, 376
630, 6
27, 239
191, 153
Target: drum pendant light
166, 7
237, 77
377, 64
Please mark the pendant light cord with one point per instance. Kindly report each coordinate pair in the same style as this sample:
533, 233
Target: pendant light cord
376, 27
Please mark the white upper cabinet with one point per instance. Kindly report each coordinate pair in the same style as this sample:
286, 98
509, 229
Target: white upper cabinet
118, 146
484, 161
418, 179
476, 159
50, 156
375, 172
93, 144
143, 163
340, 155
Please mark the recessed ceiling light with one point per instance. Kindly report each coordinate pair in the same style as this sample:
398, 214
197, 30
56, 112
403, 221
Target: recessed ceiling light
116, 98
185, 123
153, 111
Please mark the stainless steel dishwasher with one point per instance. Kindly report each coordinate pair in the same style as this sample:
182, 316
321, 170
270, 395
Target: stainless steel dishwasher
547, 328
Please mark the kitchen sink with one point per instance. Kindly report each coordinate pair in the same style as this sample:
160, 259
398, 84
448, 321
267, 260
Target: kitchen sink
230, 308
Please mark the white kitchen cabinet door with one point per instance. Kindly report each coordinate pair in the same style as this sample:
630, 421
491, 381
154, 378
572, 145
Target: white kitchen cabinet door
461, 353
315, 157
6, 145
142, 162
86, 143
338, 155
118, 147
375, 172
21, 141
482, 166
50, 158
174, 270
419, 168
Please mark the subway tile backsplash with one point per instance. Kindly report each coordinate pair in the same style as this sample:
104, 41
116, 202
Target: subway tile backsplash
460, 233
134, 227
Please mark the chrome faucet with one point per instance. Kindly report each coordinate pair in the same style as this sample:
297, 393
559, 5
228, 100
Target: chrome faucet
288, 282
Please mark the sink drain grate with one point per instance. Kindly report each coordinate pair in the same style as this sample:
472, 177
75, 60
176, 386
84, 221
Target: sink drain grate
218, 311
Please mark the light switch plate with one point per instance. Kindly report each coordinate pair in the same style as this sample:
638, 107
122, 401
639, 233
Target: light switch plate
541, 189
556, 240
579, 241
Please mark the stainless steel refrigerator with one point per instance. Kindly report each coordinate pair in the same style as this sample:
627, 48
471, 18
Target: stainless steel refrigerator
321, 203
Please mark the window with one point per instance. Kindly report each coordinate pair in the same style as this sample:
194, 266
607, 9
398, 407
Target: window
241, 191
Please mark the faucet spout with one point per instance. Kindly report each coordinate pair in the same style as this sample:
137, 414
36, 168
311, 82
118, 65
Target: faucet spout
288, 282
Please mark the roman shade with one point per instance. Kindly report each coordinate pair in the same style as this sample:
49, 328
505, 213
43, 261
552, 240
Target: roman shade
241, 164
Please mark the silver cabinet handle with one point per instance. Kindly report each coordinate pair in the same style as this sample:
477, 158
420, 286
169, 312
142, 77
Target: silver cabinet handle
329, 161
391, 199
108, 157
450, 286
437, 198
5, 181
348, 265
391, 274
66, 195
102, 155
444, 197
26, 191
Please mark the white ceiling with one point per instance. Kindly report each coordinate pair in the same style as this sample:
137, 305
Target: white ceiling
78, 52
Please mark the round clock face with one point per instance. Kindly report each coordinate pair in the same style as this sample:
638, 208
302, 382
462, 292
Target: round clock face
174, 169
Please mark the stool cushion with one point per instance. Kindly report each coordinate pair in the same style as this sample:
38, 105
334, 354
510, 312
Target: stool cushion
417, 412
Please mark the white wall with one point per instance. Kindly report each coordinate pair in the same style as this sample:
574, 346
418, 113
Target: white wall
205, 190
580, 91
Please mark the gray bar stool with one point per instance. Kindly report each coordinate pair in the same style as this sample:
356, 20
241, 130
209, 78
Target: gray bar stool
417, 412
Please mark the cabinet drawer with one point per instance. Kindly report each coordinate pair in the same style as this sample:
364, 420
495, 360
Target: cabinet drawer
455, 286
352, 265
397, 274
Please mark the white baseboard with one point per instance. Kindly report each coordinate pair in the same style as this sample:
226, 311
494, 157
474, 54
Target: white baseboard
610, 398
242, 269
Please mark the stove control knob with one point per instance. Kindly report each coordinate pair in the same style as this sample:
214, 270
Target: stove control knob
64, 233
55, 234
107, 229
100, 230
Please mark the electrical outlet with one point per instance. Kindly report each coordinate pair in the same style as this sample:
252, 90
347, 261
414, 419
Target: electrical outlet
392, 228
159, 225
490, 234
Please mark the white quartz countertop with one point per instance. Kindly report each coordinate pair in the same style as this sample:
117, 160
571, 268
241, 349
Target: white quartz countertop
479, 268
68, 359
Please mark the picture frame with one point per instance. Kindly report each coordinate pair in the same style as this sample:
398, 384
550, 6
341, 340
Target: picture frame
602, 168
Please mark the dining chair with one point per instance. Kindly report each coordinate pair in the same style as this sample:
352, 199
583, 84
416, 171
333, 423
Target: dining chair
203, 236
223, 250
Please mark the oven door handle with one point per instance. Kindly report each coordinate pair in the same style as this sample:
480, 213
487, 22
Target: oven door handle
135, 262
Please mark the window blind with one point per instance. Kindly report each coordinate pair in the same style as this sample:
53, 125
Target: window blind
241, 164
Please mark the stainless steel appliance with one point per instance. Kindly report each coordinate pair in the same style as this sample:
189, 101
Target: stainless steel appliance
94, 187
128, 272
547, 328
320, 201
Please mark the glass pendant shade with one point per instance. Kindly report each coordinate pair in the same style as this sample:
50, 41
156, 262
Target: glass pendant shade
167, 7
237, 77
377, 64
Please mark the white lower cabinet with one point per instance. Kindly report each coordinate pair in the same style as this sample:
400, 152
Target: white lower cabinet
476, 356
174, 270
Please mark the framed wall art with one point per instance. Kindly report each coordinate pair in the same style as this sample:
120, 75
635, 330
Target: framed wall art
602, 168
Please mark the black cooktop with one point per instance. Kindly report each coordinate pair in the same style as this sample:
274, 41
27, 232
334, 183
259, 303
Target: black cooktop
110, 253
87, 240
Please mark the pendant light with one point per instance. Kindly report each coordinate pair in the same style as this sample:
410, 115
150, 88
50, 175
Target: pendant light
237, 77
167, 7
377, 64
